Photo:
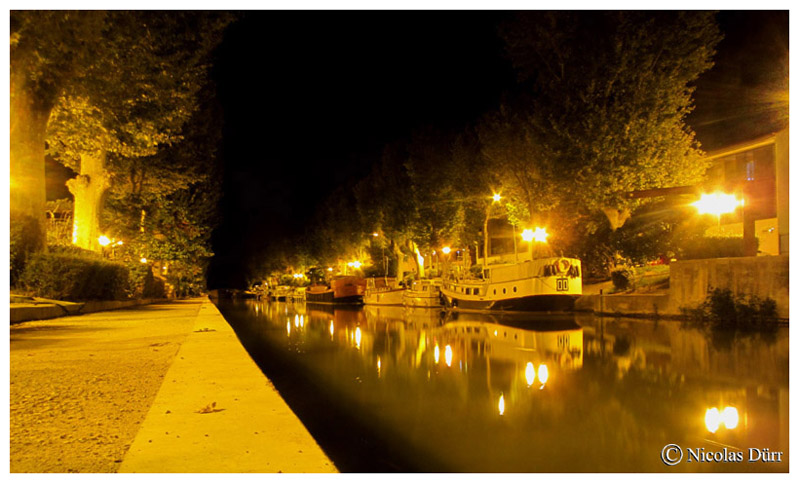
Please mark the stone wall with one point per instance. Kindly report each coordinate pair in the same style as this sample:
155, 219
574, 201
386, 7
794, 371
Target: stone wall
765, 276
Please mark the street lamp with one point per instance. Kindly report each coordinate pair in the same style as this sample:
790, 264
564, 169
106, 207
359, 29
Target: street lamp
496, 197
103, 240
717, 203
538, 235
445, 250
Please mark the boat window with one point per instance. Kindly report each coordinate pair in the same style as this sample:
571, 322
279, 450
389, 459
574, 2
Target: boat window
494, 291
515, 288
504, 290
424, 288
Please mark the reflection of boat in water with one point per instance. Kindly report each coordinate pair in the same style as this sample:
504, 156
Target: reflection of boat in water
383, 291
423, 293
544, 284
558, 340
343, 290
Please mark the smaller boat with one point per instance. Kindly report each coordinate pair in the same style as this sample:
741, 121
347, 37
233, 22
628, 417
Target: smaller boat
342, 290
280, 293
298, 294
424, 293
383, 291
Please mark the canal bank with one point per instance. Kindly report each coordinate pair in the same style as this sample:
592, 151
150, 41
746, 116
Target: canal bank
88, 392
217, 412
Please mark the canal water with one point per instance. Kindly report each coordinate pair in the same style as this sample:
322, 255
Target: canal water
394, 389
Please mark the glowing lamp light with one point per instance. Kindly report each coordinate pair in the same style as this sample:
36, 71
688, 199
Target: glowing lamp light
143, 260
530, 373
358, 337
543, 374
538, 235
103, 240
730, 417
445, 250
717, 203
712, 419
448, 355
496, 197
501, 405
119, 242
356, 264
374, 234
330, 269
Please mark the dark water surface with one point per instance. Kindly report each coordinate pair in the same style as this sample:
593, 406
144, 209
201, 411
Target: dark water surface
394, 389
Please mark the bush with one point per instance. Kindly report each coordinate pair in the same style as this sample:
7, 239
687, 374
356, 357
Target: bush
713, 247
621, 277
143, 284
723, 310
25, 238
74, 277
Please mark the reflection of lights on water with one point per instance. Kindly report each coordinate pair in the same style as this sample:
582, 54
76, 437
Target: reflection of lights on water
436, 354
358, 337
331, 328
501, 405
543, 373
379, 366
288, 327
495, 332
448, 355
712, 419
530, 373
302, 322
296, 321
729, 417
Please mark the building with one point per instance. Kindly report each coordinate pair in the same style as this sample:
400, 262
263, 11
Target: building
758, 172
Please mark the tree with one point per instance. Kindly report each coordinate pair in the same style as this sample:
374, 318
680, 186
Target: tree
47, 49
605, 99
133, 101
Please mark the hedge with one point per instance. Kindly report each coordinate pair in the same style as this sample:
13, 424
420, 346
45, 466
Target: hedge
73, 277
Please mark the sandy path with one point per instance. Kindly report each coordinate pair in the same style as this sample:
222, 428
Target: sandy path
81, 386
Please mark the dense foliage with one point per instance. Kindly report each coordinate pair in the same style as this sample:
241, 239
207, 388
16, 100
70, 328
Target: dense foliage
72, 277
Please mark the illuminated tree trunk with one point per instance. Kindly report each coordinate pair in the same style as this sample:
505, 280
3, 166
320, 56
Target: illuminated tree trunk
418, 260
28, 124
89, 189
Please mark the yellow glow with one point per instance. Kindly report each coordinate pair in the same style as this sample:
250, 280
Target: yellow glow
296, 321
374, 234
288, 327
119, 242
448, 355
358, 337
436, 354
539, 235
103, 240
543, 374
302, 323
501, 405
379, 365
730, 417
717, 203
331, 328
356, 264
330, 269
75, 232
712, 419
496, 197
530, 373
143, 260
445, 250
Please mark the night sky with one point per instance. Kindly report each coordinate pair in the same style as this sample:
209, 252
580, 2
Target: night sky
311, 98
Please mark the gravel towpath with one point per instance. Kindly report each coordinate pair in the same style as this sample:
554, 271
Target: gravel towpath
80, 387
